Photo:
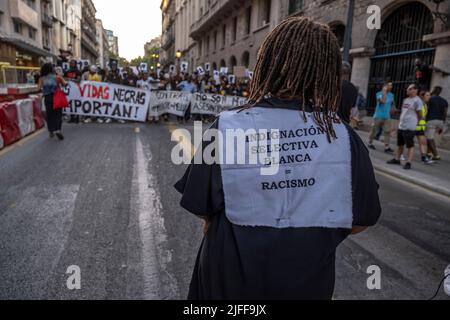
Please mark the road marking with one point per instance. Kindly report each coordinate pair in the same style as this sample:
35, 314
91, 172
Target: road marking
137, 130
21, 142
159, 283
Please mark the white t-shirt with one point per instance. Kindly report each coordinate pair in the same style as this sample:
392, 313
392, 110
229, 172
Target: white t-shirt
143, 84
409, 119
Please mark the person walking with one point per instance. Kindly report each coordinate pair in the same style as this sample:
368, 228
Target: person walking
436, 117
382, 116
187, 85
421, 127
74, 75
274, 235
48, 83
411, 113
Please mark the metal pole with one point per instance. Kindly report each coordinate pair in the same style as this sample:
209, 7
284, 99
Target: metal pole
348, 31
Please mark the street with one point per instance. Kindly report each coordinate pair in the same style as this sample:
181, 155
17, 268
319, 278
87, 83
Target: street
103, 200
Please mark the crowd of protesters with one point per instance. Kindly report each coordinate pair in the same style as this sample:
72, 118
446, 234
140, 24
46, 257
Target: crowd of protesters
423, 113
172, 81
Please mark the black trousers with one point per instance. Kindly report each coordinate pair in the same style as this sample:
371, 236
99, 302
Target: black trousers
54, 117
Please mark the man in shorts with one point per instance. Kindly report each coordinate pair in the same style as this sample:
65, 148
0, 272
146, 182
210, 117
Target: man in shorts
411, 113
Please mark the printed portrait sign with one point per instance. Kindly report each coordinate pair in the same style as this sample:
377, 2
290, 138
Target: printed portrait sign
184, 67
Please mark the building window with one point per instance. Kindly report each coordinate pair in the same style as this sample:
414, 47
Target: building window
17, 27
235, 21
248, 20
245, 59
31, 3
32, 33
224, 35
233, 63
295, 6
264, 12
215, 41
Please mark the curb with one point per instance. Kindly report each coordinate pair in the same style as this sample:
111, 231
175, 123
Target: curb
437, 189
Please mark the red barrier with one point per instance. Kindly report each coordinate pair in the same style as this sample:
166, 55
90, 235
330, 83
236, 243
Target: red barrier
37, 113
9, 123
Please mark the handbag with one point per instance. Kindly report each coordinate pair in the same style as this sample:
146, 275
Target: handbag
59, 99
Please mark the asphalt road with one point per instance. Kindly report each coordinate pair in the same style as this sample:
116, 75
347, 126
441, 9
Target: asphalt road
103, 200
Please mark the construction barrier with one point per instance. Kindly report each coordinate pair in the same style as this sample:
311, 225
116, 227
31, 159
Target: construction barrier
25, 116
9, 123
37, 113
2, 144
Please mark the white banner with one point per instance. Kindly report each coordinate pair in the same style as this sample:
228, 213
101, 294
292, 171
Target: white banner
99, 99
206, 103
174, 102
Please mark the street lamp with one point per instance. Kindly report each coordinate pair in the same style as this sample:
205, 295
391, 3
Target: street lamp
178, 54
348, 31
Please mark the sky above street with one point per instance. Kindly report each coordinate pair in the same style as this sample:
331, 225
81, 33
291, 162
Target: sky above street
135, 22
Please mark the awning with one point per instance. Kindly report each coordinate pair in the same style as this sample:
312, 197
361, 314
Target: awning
28, 47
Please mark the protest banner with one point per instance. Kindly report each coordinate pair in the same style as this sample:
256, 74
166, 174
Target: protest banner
224, 70
172, 69
240, 71
207, 67
173, 102
99, 99
213, 104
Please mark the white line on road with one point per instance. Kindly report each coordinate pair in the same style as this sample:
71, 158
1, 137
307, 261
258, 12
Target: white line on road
158, 282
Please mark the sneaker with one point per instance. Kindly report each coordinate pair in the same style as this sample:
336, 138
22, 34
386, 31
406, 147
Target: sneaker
437, 158
51, 135
427, 160
108, 120
371, 146
60, 136
99, 121
407, 166
121, 121
394, 161
388, 150
402, 158
88, 120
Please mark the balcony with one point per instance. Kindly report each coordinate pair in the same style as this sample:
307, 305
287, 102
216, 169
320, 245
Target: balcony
218, 10
47, 20
21, 11
167, 40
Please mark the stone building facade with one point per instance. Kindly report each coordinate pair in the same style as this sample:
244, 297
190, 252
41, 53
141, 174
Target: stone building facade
230, 32
89, 44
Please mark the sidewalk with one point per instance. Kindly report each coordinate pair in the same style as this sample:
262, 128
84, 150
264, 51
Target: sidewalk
434, 177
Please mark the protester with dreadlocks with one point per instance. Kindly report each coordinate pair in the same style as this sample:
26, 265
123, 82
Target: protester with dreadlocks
273, 226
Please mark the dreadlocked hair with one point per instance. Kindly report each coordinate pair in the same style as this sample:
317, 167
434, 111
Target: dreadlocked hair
301, 58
